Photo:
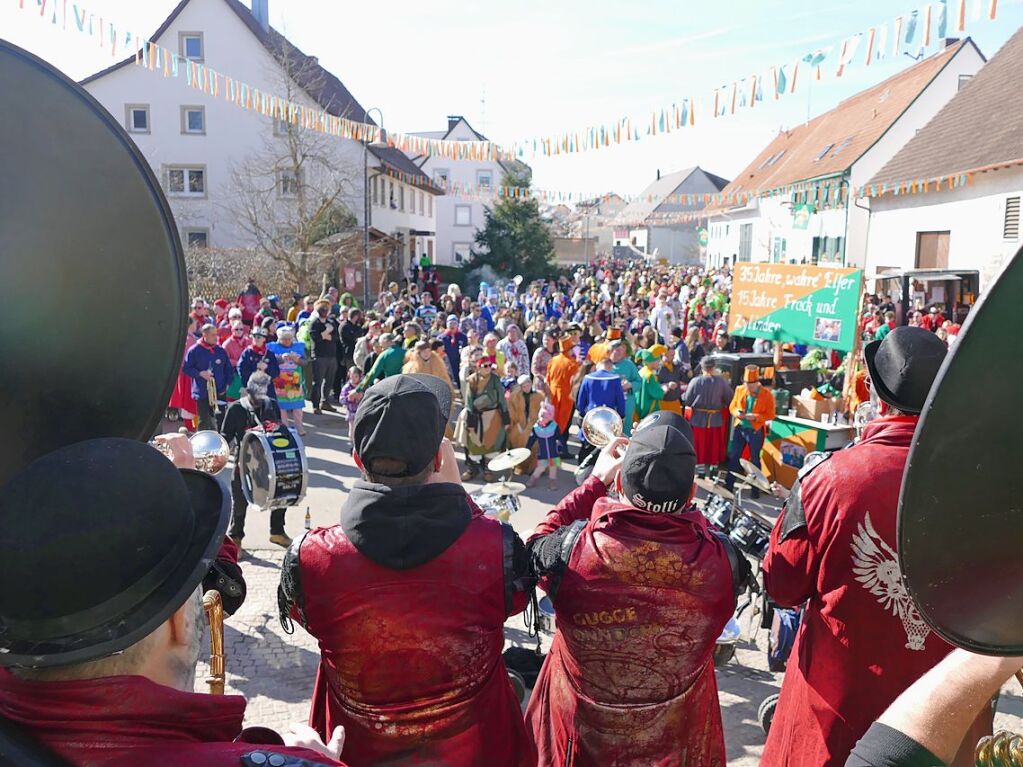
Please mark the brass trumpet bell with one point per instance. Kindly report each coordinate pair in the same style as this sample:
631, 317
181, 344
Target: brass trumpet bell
209, 448
601, 426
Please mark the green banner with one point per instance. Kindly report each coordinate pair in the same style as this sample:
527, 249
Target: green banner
812, 305
801, 215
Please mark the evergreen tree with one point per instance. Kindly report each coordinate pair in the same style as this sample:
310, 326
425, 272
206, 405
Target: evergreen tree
514, 239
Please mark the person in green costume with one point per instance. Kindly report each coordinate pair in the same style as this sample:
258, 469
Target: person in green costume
631, 382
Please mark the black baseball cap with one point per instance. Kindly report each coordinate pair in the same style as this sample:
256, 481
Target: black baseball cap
402, 417
658, 469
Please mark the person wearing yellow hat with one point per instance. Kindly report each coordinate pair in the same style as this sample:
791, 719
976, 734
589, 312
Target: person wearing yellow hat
752, 407
560, 373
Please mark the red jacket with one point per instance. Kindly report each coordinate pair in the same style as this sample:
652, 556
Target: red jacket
630, 679
126, 721
411, 658
862, 641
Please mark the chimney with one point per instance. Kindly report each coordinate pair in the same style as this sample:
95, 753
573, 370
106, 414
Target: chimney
261, 13
658, 174
453, 121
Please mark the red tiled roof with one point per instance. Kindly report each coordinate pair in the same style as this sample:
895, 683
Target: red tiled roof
830, 143
978, 128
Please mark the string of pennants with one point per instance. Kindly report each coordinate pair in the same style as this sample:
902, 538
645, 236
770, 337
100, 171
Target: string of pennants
916, 31
70, 16
912, 32
821, 194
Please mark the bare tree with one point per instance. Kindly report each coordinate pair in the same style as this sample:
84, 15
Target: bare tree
299, 187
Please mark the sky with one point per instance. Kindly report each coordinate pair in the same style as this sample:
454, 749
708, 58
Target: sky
533, 68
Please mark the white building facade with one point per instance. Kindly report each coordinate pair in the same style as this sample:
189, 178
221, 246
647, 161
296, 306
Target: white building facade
194, 141
978, 227
403, 203
467, 184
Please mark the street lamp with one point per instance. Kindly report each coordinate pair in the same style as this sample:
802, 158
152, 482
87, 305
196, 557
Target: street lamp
381, 141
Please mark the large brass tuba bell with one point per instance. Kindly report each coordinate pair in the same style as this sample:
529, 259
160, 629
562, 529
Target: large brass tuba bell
601, 426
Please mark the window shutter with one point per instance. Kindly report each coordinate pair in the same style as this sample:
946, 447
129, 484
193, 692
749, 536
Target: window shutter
1010, 228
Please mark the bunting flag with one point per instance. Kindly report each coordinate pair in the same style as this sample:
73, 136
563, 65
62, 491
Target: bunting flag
913, 32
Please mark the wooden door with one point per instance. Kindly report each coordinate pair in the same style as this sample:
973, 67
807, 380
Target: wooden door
932, 250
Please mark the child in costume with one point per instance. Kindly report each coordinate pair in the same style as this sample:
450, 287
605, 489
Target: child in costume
545, 437
350, 398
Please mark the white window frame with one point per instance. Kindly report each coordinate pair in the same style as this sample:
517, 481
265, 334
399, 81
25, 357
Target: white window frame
459, 246
431, 206
189, 231
284, 174
441, 173
183, 37
489, 174
280, 126
422, 203
186, 171
468, 211
185, 109
129, 113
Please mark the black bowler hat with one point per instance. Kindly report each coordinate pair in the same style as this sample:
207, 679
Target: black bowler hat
658, 469
102, 541
403, 418
904, 365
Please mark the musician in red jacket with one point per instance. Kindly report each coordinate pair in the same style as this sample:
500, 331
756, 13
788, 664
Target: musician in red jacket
642, 589
408, 596
862, 640
101, 622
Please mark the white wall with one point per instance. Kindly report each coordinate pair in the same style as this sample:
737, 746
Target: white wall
232, 132
419, 214
462, 173
967, 61
974, 217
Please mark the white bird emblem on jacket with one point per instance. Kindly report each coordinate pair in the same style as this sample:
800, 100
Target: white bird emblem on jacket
876, 567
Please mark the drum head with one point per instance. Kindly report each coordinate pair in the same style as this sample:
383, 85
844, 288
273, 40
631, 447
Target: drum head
960, 512
92, 276
257, 469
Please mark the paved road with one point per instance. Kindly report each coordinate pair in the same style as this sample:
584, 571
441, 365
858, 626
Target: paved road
275, 672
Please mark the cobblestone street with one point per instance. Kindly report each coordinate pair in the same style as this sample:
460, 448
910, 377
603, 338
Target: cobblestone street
275, 672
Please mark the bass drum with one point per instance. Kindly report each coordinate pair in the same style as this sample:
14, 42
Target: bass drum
273, 468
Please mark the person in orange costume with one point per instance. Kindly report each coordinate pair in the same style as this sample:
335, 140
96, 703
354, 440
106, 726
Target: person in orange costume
752, 407
560, 372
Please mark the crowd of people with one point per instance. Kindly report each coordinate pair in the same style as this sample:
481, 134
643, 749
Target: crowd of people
408, 595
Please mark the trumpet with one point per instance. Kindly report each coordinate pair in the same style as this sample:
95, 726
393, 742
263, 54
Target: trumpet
213, 606
601, 426
209, 448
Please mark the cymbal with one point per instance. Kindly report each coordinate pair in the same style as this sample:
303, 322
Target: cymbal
755, 476
751, 482
504, 488
713, 488
509, 459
